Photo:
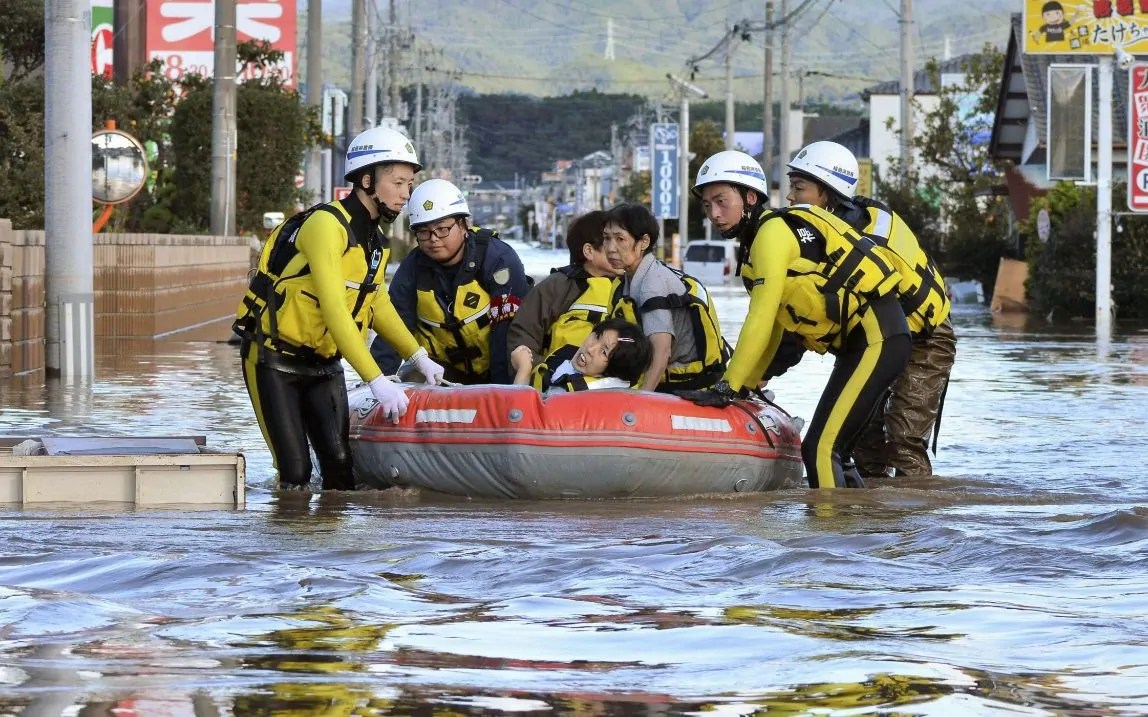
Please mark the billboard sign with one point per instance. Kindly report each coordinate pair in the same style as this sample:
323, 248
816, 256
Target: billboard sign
180, 34
664, 149
1138, 137
103, 31
1069, 122
1085, 28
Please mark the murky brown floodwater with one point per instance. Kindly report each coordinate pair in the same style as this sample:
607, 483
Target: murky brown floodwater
1016, 583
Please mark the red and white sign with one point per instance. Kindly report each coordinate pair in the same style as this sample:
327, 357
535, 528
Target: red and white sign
102, 43
103, 17
180, 33
342, 192
1138, 137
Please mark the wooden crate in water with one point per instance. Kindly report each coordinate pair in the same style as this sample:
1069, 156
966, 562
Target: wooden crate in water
140, 472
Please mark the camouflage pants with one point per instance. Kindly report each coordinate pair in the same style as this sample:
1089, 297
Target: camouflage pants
897, 436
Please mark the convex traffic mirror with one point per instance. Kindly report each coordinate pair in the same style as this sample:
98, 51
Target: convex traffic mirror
119, 166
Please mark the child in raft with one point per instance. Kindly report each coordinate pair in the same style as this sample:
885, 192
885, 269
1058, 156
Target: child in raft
614, 355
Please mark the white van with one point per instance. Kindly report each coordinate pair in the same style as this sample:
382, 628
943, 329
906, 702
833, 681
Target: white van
712, 262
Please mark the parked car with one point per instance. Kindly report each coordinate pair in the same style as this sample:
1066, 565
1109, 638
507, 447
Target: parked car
711, 262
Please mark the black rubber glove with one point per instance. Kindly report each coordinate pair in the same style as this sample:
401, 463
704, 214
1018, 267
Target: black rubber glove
719, 395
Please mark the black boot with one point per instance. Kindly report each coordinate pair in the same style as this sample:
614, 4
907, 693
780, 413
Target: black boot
850, 474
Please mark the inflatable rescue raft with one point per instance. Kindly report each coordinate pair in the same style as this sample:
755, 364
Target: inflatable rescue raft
510, 442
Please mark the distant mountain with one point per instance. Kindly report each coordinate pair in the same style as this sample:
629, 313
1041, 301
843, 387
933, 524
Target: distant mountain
839, 47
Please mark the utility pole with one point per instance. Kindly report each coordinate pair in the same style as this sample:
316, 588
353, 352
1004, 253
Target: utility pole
223, 133
1104, 207
784, 150
767, 107
371, 111
128, 39
393, 66
69, 312
683, 89
616, 156
906, 86
418, 130
313, 174
731, 38
358, 67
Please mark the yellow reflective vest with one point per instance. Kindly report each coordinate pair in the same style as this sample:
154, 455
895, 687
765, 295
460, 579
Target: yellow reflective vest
713, 350
280, 309
921, 291
828, 286
457, 332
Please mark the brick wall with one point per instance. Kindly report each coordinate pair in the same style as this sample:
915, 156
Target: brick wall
21, 301
147, 286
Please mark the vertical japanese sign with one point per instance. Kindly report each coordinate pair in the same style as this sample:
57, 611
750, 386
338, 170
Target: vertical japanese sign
1138, 137
1085, 27
180, 34
664, 172
102, 37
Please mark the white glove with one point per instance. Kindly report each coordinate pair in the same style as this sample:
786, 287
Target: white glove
431, 371
391, 397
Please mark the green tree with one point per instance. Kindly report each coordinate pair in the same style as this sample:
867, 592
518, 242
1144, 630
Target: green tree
22, 39
273, 127
142, 108
947, 198
1062, 271
22, 114
637, 190
706, 139
511, 134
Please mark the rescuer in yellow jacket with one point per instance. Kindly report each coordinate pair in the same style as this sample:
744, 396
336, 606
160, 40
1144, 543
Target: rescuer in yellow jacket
809, 273
896, 440
317, 290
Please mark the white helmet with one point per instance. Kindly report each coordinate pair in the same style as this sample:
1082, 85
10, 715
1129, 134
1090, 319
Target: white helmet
733, 167
435, 199
379, 145
829, 163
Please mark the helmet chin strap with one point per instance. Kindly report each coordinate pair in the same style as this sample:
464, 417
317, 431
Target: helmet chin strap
749, 217
387, 214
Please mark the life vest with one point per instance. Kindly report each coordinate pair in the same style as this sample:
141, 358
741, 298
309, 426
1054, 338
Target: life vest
829, 285
457, 332
921, 292
712, 349
570, 329
282, 282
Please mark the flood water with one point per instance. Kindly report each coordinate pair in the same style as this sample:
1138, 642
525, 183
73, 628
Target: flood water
1014, 583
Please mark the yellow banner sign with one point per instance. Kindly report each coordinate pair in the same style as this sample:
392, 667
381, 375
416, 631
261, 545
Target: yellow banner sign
1085, 27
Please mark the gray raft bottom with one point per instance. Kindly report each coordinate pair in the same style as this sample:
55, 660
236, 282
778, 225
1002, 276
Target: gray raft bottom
544, 472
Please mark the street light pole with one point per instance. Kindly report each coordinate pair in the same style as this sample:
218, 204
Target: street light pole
1104, 205
683, 89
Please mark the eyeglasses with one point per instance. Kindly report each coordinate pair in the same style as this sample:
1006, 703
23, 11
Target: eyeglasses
423, 236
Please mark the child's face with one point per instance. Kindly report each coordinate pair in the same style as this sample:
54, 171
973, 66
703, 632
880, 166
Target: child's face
1053, 17
593, 355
